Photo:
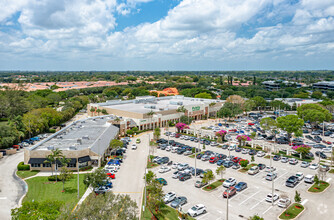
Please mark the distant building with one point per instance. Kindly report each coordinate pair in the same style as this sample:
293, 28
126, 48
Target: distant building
148, 112
275, 85
167, 92
324, 85
298, 101
84, 141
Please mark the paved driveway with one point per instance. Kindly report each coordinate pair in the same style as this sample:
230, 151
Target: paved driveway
11, 187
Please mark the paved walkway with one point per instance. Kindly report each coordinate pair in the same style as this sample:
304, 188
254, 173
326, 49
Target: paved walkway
50, 173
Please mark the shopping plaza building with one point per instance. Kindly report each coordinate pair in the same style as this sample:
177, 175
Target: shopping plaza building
84, 142
149, 112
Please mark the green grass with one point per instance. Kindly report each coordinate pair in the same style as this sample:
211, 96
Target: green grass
40, 189
291, 212
245, 169
331, 171
318, 188
267, 157
27, 173
214, 185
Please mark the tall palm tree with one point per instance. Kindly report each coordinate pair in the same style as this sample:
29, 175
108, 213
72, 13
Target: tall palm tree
56, 154
50, 159
220, 170
182, 109
65, 173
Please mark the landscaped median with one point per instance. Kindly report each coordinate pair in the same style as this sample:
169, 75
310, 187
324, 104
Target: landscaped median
317, 188
193, 155
292, 211
166, 213
245, 169
213, 185
150, 164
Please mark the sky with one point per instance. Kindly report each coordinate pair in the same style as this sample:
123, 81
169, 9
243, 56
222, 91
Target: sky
203, 35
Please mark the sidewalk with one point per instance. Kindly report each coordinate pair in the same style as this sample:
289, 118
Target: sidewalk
50, 173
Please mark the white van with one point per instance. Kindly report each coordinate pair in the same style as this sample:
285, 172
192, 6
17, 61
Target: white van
174, 149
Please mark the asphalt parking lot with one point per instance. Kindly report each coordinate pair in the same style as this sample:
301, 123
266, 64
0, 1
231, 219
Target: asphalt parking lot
245, 203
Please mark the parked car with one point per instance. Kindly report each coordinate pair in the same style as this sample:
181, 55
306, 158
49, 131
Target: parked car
184, 176
240, 186
228, 164
283, 202
133, 146
229, 192
205, 158
271, 198
235, 166
200, 184
284, 160
179, 201
213, 160
292, 181
321, 155
182, 166
300, 176
161, 181
276, 157
304, 164
270, 169
261, 166
324, 167
309, 179
169, 197
163, 160
229, 182
176, 174
205, 171
293, 161
271, 176
197, 210
260, 154
164, 169
314, 166
253, 170
100, 190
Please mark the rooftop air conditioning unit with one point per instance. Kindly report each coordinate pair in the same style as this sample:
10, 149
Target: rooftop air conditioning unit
73, 147
85, 137
79, 141
50, 148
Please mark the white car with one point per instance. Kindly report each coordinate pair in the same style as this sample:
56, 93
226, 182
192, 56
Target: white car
229, 182
300, 176
169, 197
133, 146
186, 137
309, 179
271, 176
270, 198
197, 210
314, 166
260, 154
182, 137
182, 166
176, 174
245, 151
327, 150
272, 169
232, 147
168, 148
164, 169
253, 170
304, 164
283, 202
174, 166
214, 144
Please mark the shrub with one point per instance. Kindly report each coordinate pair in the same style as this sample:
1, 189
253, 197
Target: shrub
53, 178
21, 166
52, 130
244, 163
85, 168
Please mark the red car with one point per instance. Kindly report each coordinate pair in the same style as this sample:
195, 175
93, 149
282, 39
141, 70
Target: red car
230, 192
111, 175
327, 142
213, 160
232, 130
236, 159
177, 135
250, 123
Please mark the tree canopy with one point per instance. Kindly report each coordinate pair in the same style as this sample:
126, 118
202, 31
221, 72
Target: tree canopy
291, 124
313, 113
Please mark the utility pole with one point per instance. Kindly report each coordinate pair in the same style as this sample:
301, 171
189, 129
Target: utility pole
78, 176
272, 185
227, 206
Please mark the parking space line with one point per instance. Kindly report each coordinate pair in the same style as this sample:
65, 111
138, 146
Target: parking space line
239, 194
304, 202
202, 216
267, 210
3, 198
282, 175
329, 179
249, 197
257, 204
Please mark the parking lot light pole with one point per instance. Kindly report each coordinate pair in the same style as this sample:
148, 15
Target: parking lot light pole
272, 184
227, 206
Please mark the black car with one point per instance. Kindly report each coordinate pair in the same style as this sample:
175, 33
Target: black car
328, 133
319, 146
184, 176
321, 155
180, 150
276, 157
199, 156
238, 149
221, 156
309, 155
292, 181
282, 141
207, 142
261, 166
252, 152
309, 137
225, 146
198, 172
163, 160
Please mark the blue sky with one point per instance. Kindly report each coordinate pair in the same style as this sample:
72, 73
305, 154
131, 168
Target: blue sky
166, 35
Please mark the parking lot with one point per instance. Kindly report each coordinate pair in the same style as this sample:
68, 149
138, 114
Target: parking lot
245, 203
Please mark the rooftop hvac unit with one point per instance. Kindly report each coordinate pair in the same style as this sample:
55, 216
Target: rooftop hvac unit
79, 141
60, 137
150, 106
83, 122
176, 103
50, 147
73, 147
85, 137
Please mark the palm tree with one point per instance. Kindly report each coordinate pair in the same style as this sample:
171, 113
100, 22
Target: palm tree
98, 111
208, 176
50, 159
56, 154
210, 105
182, 109
220, 170
65, 173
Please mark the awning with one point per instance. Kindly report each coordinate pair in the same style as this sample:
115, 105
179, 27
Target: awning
84, 159
36, 160
72, 161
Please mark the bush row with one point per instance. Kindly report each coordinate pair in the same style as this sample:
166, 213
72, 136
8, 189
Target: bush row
21, 166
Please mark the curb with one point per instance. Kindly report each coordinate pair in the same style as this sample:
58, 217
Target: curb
294, 217
25, 188
319, 192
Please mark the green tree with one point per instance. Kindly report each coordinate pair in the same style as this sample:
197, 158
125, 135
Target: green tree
316, 95
116, 144
104, 112
150, 176
220, 170
314, 113
48, 210
53, 158
269, 124
303, 150
108, 206
255, 217
229, 110
154, 196
157, 133
65, 174
244, 163
297, 197
301, 95
248, 106
208, 177
291, 124
259, 101
96, 178
316, 180
185, 119
50, 160
203, 95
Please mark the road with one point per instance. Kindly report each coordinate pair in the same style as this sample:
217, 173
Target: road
12, 188
129, 179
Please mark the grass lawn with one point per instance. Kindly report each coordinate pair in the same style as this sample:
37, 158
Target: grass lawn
267, 157
318, 188
214, 185
40, 189
331, 171
291, 212
167, 213
245, 169
26, 173
150, 164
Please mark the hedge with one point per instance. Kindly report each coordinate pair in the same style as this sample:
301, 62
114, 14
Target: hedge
53, 178
21, 166
85, 168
